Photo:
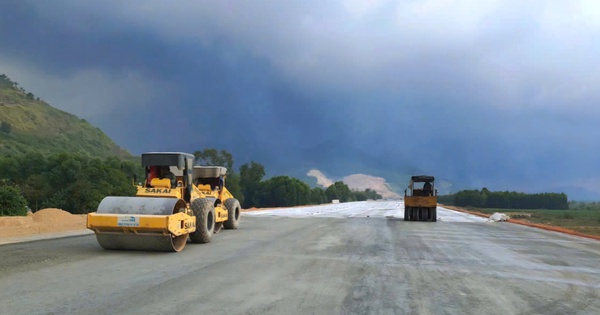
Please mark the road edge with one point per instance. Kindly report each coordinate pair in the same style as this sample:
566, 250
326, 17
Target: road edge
546, 227
44, 236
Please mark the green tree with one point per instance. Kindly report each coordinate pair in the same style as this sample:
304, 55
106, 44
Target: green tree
233, 185
5, 82
251, 175
5, 127
446, 199
213, 157
469, 198
367, 194
317, 196
283, 191
75, 183
339, 191
506, 199
12, 202
36, 190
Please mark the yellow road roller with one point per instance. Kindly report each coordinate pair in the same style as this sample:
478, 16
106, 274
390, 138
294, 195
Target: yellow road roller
420, 202
177, 201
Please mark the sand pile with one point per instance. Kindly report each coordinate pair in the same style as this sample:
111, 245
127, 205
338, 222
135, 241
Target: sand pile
43, 221
52, 215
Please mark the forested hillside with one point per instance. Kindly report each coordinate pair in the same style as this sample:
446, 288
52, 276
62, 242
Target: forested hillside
70, 181
28, 124
50, 158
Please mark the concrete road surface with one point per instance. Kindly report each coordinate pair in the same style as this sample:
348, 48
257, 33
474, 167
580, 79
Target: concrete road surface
344, 263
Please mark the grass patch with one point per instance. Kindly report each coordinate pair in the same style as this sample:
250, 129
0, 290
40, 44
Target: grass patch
583, 221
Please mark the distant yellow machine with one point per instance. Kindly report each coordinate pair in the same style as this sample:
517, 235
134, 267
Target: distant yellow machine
420, 204
177, 200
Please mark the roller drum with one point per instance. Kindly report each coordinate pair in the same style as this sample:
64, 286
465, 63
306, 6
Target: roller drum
140, 205
130, 241
127, 240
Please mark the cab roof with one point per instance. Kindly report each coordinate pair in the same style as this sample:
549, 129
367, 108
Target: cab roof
166, 158
422, 178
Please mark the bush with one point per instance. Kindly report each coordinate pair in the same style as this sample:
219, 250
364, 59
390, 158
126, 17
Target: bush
317, 196
339, 191
5, 127
283, 191
12, 201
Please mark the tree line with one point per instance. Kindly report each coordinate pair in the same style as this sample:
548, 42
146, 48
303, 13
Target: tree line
73, 182
277, 191
485, 198
77, 183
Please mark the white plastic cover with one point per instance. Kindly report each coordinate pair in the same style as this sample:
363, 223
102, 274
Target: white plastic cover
498, 217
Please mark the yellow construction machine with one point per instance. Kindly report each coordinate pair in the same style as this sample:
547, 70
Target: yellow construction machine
420, 204
177, 200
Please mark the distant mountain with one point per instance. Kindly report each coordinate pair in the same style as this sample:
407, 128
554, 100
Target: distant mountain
357, 182
29, 124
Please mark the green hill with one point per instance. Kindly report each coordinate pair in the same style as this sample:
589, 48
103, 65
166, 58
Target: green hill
29, 124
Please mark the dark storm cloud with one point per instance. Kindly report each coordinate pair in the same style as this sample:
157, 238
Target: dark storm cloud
497, 93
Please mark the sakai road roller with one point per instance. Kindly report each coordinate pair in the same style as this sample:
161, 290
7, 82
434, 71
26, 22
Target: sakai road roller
176, 201
420, 204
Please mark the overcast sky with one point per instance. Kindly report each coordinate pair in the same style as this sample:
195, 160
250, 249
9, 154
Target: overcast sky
503, 94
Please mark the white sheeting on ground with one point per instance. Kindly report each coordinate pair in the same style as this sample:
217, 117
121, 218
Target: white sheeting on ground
384, 209
498, 217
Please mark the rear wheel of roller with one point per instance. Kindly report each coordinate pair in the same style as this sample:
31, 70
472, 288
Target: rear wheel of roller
204, 211
233, 213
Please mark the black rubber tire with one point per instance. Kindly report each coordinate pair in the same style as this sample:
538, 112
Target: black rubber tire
204, 210
234, 212
434, 215
405, 214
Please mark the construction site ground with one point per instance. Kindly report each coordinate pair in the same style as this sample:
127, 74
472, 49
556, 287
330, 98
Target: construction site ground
355, 258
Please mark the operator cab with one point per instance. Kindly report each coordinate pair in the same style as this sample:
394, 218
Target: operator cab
209, 178
169, 170
164, 176
426, 189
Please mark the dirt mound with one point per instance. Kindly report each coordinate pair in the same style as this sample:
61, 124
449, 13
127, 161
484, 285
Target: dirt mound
321, 178
358, 182
49, 220
378, 184
14, 221
51, 215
